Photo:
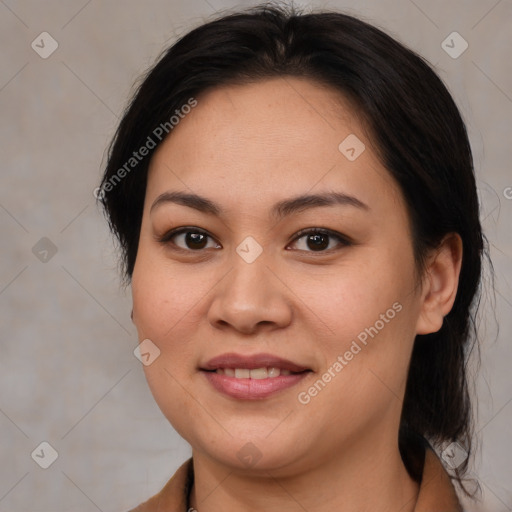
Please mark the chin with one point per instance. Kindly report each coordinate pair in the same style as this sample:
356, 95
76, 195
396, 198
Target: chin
253, 454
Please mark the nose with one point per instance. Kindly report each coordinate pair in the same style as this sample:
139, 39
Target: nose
250, 298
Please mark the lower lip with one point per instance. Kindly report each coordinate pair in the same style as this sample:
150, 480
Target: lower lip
252, 389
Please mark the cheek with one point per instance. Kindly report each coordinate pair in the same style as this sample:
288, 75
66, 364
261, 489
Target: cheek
354, 296
367, 314
162, 294
364, 359
163, 304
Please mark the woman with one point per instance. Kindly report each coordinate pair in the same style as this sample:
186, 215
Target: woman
295, 202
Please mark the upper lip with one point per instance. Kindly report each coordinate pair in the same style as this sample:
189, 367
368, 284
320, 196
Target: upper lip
232, 360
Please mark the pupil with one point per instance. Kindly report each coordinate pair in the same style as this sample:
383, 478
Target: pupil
320, 241
194, 239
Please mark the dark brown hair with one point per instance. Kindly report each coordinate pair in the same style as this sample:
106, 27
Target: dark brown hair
414, 124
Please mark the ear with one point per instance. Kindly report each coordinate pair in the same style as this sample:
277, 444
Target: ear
440, 284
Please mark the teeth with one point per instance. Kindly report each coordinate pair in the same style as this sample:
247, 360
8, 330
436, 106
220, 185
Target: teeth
257, 373
274, 372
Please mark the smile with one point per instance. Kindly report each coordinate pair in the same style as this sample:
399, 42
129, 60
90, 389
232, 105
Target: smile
257, 373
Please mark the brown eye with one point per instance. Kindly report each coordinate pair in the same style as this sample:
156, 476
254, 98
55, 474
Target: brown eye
195, 240
317, 240
188, 239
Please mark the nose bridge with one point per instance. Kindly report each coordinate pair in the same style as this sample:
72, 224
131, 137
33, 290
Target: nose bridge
250, 277
247, 285
249, 262
249, 295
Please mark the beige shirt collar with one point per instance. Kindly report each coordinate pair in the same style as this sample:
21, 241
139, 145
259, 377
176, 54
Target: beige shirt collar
436, 490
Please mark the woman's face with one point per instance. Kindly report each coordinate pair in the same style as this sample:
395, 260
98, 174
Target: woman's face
243, 287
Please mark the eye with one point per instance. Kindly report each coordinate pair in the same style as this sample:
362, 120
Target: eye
188, 238
318, 240
194, 239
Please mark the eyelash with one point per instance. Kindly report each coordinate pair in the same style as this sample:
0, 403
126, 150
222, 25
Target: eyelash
343, 240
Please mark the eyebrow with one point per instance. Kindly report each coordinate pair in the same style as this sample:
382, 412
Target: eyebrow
279, 210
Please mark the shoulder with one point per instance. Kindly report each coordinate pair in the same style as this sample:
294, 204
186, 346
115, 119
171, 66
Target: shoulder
174, 495
436, 490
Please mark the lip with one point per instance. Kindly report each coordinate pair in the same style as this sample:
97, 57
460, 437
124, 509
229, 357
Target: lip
252, 389
233, 360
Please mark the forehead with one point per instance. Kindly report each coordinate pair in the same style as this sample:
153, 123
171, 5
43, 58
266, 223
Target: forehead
283, 135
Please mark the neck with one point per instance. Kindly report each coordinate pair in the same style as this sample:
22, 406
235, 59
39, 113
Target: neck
370, 477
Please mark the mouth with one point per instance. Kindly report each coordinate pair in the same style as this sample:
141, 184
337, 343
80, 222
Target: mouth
256, 373
255, 362
252, 377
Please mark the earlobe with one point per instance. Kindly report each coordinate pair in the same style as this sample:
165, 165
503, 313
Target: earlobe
440, 284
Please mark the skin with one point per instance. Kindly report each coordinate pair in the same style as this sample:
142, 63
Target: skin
246, 147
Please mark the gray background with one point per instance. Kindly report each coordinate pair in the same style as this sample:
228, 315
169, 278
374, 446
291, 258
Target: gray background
68, 375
